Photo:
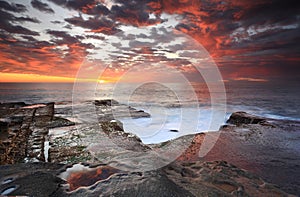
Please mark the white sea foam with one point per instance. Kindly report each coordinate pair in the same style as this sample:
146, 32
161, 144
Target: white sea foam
186, 121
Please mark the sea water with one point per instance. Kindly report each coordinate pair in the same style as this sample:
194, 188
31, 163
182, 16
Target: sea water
173, 108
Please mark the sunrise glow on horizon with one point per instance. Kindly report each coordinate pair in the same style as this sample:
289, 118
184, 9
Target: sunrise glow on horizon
34, 78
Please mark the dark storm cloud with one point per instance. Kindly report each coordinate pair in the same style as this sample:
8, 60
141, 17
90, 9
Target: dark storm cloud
181, 65
68, 26
25, 19
281, 41
73, 4
62, 34
31, 42
95, 24
95, 9
8, 17
275, 11
41, 57
255, 34
139, 44
281, 22
96, 37
91, 7
29, 38
26, 51
12, 7
63, 38
6, 24
241, 28
44, 7
133, 13
57, 22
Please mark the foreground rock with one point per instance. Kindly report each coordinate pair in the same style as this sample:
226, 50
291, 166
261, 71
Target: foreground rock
239, 118
24, 130
30, 179
218, 178
109, 112
110, 109
177, 179
116, 133
184, 179
103, 140
265, 147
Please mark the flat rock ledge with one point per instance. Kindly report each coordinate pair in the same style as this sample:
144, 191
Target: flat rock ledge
214, 175
190, 179
23, 130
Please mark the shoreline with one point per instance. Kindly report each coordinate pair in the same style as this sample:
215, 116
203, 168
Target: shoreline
247, 142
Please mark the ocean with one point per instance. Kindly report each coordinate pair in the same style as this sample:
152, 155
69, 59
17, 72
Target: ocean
172, 107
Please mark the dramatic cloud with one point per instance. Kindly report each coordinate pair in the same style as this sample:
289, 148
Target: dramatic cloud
66, 38
249, 40
8, 19
133, 13
91, 7
243, 32
41, 6
74, 4
12, 7
40, 57
95, 24
95, 9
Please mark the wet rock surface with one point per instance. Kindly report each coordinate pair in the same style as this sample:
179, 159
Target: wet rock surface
24, 129
239, 118
30, 179
111, 109
267, 149
89, 176
153, 183
216, 178
60, 122
114, 130
102, 140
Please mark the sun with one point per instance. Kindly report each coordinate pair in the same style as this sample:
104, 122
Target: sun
101, 81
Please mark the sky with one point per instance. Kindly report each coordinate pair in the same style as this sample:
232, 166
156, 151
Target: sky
59, 40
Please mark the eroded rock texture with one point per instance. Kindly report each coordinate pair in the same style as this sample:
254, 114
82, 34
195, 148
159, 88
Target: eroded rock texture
263, 147
23, 129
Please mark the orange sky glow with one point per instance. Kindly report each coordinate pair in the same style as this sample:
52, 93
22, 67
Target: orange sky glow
16, 77
49, 42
